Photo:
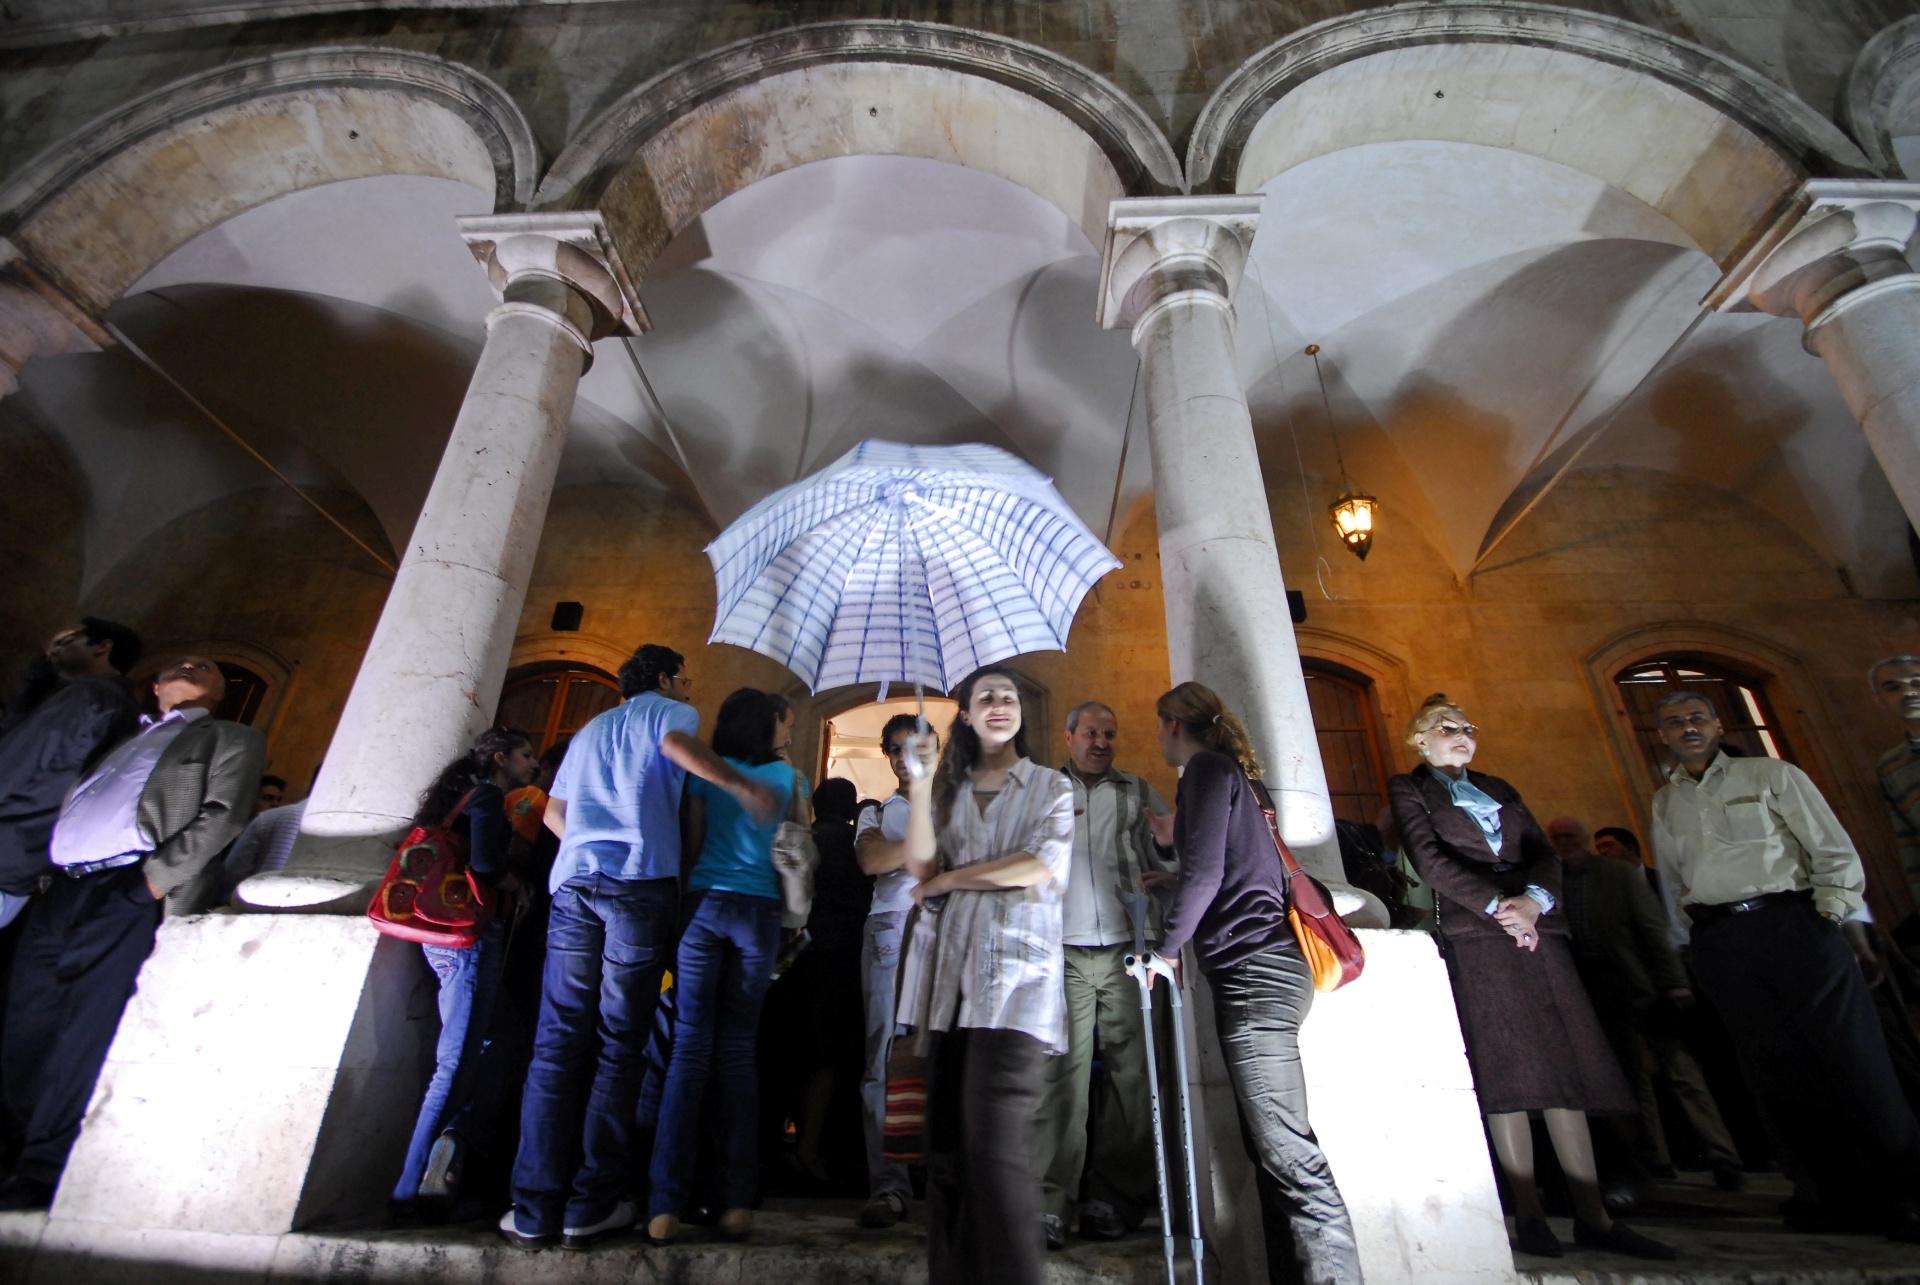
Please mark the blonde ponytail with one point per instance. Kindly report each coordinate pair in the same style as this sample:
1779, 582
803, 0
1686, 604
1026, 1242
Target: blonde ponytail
1200, 710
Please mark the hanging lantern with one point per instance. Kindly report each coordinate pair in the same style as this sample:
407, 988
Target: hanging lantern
1352, 516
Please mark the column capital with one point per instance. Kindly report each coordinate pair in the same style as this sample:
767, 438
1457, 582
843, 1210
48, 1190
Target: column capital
1160, 246
1835, 239
569, 246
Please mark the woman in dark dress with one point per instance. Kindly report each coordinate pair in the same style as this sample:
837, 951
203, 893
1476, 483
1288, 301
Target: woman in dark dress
1531, 1034
1231, 906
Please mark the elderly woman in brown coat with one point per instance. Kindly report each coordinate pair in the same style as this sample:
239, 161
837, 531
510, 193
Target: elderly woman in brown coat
1532, 1037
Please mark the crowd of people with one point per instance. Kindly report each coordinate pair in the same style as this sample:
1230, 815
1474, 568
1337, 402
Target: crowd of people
951, 968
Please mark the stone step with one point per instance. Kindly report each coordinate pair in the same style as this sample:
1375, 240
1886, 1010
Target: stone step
793, 1243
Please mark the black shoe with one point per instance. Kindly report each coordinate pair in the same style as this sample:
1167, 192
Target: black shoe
1533, 1236
883, 1211
1802, 1215
1729, 1177
1055, 1228
24, 1194
1621, 1239
510, 1228
1100, 1221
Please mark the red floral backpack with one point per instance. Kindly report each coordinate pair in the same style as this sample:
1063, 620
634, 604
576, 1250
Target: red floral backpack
430, 894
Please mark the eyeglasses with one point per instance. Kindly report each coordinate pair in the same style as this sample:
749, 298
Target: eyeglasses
1457, 729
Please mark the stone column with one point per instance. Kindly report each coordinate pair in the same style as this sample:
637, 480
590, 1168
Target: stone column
1841, 259
1172, 267
1422, 1197
432, 674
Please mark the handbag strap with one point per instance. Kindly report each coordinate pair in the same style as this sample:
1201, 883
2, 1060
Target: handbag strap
459, 808
1265, 800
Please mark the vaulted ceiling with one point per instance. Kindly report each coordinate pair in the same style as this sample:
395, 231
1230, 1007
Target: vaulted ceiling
1486, 318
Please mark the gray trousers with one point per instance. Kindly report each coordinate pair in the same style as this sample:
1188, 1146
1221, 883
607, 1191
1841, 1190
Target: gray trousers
1100, 997
1258, 1005
879, 962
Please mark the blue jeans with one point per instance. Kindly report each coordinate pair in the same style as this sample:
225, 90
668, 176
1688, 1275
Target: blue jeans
464, 1094
721, 977
607, 944
879, 963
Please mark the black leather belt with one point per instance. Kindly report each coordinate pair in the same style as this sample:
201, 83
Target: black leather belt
86, 868
1728, 909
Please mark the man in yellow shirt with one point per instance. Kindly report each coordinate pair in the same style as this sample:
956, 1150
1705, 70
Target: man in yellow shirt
1772, 888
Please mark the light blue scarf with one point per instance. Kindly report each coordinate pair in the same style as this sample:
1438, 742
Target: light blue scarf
1478, 804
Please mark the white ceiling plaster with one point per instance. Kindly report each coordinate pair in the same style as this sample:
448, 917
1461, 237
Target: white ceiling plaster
1479, 309
385, 242
884, 296
899, 243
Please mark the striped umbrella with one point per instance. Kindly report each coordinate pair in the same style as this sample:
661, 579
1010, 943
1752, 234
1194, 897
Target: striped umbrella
905, 564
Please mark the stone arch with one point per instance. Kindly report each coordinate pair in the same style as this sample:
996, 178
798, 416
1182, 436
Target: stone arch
1880, 98
1710, 144
98, 209
685, 140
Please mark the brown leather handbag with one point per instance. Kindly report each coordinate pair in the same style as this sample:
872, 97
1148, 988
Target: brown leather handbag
1332, 949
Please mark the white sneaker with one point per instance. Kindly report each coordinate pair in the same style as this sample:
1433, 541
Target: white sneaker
622, 1218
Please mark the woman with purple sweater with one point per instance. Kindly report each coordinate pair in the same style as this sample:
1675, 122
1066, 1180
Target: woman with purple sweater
1232, 906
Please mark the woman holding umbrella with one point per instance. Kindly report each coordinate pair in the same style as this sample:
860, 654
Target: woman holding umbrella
992, 833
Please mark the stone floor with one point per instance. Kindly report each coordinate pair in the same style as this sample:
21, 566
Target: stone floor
1730, 1239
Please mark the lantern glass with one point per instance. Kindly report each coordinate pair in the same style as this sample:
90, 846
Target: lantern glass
1352, 516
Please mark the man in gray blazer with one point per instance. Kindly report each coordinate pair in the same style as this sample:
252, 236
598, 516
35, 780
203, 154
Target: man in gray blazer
144, 827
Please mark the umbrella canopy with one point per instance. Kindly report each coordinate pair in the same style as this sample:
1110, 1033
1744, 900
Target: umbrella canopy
905, 564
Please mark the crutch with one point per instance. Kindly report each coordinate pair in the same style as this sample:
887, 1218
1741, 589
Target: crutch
1141, 966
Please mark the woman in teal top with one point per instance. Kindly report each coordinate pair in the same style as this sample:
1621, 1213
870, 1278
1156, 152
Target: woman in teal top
722, 973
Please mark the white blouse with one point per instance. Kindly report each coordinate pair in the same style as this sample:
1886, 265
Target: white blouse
996, 960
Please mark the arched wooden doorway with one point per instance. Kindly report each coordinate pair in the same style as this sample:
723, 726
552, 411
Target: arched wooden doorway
551, 702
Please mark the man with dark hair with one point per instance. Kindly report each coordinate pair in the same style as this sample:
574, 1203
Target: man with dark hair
1115, 858
1773, 886
87, 708
879, 842
654, 668
144, 826
1616, 843
273, 792
615, 807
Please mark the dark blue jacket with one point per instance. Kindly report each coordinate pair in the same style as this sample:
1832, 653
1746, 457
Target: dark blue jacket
41, 758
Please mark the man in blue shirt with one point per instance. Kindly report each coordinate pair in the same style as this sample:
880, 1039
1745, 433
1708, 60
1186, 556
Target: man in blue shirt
615, 806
